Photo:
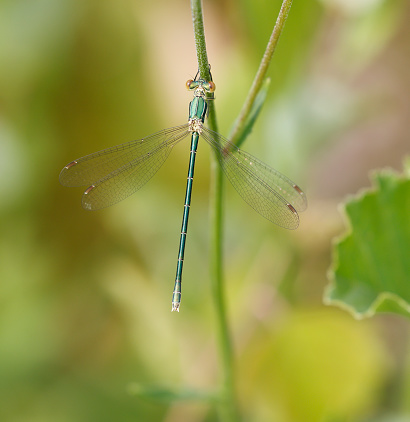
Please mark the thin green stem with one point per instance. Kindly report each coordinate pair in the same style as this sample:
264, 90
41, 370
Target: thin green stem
261, 73
228, 408
227, 403
199, 34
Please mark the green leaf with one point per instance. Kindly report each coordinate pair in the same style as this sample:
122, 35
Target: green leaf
371, 263
164, 394
253, 115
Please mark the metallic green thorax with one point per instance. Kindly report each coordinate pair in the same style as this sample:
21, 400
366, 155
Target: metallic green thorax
197, 113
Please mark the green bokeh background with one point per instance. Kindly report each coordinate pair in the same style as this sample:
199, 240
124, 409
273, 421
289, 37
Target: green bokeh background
85, 296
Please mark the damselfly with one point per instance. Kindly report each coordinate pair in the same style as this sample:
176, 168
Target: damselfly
115, 173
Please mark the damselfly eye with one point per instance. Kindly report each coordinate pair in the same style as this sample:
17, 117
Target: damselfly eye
211, 86
188, 83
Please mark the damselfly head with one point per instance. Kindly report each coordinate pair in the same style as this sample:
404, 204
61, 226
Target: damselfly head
200, 86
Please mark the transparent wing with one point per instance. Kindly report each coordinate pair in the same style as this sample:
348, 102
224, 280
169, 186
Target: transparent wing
267, 191
91, 168
117, 172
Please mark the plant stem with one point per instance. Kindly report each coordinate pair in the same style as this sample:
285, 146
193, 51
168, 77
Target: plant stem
261, 73
228, 408
227, 403
199, 35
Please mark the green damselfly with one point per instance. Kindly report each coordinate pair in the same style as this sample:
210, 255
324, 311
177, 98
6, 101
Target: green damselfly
115, 173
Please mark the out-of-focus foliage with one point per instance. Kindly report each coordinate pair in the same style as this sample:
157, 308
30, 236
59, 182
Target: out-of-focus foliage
372, 267
85, 296
298, 378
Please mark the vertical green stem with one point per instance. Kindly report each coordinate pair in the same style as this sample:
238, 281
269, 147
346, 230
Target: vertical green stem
199, 34
227, 408
261, 73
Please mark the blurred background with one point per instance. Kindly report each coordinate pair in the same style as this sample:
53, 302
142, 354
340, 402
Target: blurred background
86, 296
